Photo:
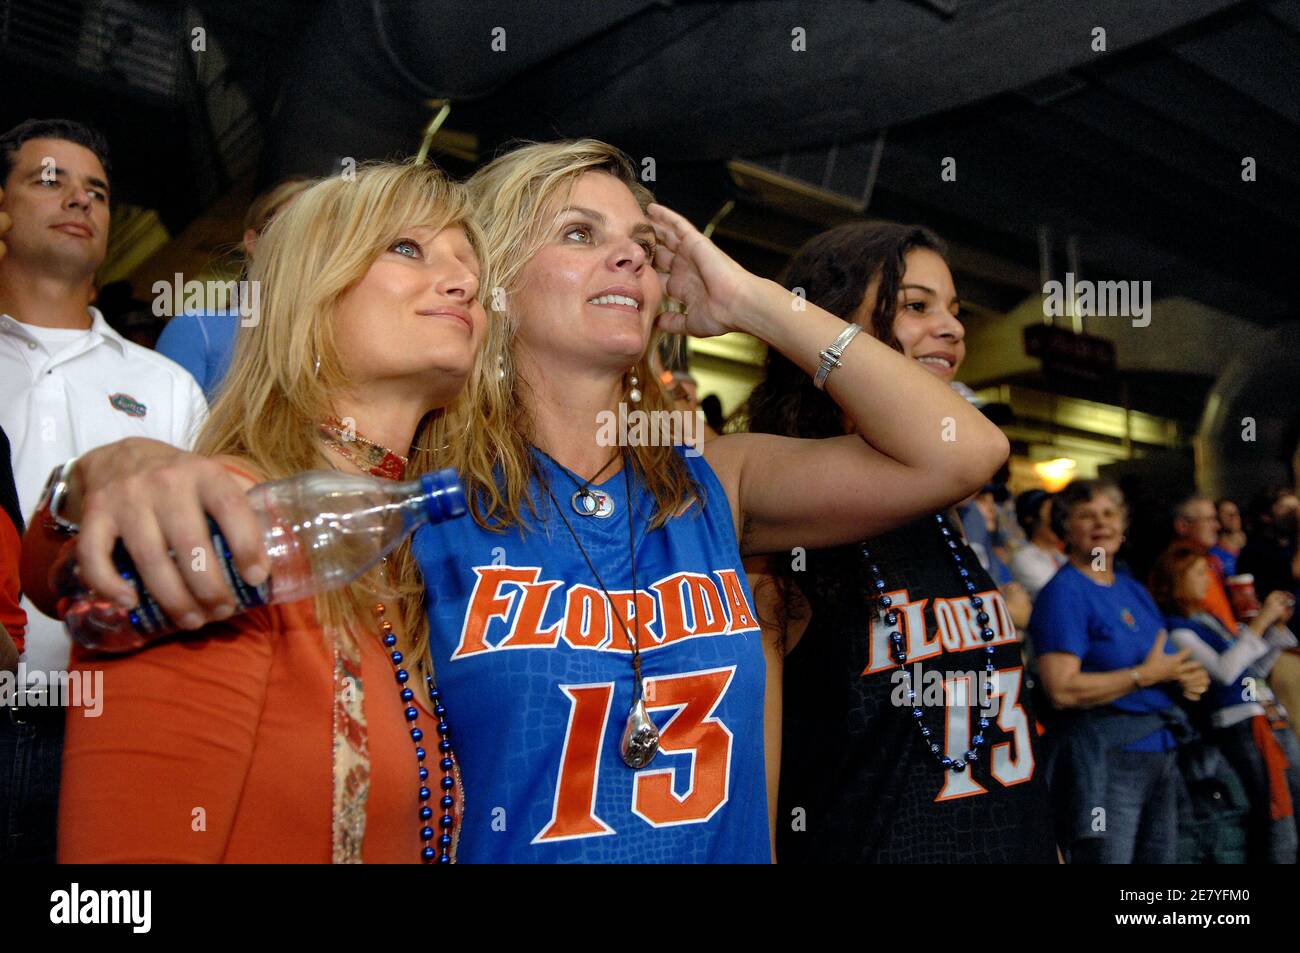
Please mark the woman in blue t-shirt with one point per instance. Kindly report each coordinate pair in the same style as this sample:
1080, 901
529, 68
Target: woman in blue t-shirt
1105, 664
1246, 721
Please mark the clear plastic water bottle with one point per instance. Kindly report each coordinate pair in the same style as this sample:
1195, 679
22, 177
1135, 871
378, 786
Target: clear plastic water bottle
324, 529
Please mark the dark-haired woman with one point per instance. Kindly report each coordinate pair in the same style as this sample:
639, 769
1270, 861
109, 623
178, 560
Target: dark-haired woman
905, 732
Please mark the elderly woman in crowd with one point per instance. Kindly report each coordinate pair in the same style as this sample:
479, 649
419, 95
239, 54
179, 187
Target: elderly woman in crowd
1106, 666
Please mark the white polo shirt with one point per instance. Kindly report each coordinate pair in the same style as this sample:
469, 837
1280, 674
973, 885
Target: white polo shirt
64, 392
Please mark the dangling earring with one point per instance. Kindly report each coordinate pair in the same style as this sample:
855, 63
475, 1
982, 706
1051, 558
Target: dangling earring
316, 371
634, 394
501, 367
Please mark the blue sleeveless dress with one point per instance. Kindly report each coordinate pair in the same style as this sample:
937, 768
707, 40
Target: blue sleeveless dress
537, 677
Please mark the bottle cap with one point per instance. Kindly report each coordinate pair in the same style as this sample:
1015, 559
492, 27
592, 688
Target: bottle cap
445, 495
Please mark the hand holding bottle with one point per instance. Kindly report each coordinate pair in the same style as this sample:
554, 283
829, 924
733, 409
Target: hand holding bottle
320, 531
156, 500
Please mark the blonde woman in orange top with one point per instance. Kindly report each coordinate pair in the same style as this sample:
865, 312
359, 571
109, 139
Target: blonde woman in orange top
280, 735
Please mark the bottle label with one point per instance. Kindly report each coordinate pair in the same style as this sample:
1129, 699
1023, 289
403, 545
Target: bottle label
148, 617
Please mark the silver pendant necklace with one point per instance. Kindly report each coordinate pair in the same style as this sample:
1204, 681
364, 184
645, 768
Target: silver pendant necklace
586, 500
640, 737
589, 502
640, 742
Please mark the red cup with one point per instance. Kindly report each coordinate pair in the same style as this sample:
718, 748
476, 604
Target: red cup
1241, 592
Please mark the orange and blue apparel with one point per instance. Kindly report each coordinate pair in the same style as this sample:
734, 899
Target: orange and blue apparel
267, 738
218, 748
533, 652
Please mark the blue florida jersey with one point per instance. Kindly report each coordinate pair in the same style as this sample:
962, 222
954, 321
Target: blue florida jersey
536, 673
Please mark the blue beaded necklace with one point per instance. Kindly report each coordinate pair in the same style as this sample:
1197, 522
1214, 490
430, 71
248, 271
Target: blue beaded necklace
899, 654
447, 764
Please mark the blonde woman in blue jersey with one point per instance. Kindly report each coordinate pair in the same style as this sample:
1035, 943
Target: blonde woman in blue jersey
591, 627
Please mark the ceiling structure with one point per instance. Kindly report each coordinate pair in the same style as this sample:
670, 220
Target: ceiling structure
1135, 152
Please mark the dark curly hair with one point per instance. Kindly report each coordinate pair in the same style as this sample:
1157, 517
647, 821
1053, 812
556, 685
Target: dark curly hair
833, 271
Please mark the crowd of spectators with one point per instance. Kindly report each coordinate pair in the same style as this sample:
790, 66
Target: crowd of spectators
1162, 696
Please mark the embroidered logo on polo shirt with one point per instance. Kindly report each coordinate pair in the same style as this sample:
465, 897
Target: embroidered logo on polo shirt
127, 405
1128, 619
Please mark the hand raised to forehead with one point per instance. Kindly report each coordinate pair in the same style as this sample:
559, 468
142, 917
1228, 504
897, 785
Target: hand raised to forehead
696, 272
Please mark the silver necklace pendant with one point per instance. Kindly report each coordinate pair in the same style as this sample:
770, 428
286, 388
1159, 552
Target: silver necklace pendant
593, 503
640, 737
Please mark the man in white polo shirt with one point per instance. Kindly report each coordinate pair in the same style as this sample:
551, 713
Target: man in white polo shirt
68, 383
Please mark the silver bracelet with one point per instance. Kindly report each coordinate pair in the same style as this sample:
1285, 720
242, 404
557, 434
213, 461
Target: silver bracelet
831, 356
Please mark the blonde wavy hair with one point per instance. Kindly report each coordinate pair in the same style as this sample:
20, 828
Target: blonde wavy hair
273, 400
512, 197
